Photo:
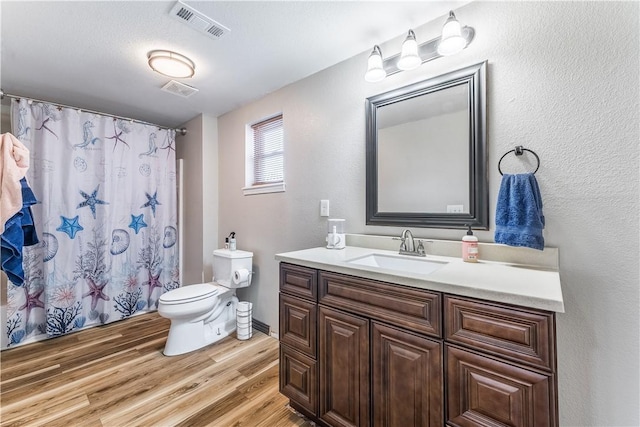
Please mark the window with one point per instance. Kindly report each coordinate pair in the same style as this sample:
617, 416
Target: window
264, 169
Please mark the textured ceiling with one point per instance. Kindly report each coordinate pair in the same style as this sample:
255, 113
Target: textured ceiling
93, 54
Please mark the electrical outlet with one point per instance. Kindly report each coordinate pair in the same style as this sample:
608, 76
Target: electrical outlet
455, 208
324, 208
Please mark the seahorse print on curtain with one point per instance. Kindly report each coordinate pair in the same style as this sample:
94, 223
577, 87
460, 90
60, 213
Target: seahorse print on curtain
107, 216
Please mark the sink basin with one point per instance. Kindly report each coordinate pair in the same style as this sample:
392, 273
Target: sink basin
398, 263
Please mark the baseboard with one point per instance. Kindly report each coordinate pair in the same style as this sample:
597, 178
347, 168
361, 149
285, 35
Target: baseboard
262, 327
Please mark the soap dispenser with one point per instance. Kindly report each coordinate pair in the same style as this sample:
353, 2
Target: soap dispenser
470, 247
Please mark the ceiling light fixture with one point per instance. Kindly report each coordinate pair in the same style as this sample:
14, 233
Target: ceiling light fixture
409, 58
171, 64
375, 70
454, 39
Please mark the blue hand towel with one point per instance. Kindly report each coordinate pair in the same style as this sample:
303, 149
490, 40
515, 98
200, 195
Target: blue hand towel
19, 231
519, 218
28, 226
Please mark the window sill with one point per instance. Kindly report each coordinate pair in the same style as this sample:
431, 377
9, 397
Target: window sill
277, 187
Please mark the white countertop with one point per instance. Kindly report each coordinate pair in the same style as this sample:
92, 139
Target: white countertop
489, 280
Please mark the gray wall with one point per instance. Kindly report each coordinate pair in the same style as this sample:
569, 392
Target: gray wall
563, 81
211, 238
199, 151
189, 149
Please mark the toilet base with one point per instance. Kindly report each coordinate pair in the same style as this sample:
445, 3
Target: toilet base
186, 336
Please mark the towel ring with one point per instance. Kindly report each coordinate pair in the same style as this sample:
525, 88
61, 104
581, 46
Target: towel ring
519, 150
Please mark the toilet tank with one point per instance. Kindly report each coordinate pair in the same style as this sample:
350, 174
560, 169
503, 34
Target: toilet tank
226, 263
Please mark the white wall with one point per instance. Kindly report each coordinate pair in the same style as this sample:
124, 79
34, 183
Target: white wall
563, 81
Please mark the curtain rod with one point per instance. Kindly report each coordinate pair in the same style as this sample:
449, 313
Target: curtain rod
181, 131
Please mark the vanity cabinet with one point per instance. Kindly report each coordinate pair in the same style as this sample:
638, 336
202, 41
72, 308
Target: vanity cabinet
392, 355
500, 364
298, 337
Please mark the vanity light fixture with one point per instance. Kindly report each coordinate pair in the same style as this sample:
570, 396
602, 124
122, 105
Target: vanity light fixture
171, 64
454, 39
451, 41
409, 58
375, 69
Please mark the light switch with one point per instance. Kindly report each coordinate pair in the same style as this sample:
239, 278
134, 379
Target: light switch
324, 208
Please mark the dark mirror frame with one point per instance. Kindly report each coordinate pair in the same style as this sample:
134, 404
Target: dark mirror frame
478, 217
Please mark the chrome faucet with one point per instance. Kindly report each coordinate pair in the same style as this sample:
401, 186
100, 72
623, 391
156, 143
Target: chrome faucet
407, 241
408, 247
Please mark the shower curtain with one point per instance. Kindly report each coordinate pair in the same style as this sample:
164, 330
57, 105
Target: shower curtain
106, 219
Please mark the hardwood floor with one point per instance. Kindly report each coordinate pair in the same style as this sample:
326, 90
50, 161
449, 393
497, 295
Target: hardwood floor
116, 375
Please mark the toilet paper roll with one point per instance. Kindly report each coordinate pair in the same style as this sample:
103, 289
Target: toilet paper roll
240, 276
245, 307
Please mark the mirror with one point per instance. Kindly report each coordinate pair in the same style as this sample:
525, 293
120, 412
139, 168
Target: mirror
426, 153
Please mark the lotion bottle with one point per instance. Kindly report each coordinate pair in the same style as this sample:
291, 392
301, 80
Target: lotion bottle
470, 247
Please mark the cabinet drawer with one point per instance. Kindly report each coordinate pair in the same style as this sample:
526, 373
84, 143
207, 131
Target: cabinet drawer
299, 378
300, 281
298, 324
485, 392
413, 309
522, 335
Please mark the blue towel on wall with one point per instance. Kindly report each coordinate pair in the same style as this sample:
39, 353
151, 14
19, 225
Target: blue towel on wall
519, 218
19, 231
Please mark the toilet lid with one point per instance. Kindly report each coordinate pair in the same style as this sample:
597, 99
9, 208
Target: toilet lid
189, 293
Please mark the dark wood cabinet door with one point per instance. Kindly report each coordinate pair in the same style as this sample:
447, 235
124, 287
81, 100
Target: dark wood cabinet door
343, 358
299, 378
407, 376
298, 324
486, 392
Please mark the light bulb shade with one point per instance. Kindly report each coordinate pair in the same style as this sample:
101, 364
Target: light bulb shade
409, 58
375, 68
451, 41
171, 64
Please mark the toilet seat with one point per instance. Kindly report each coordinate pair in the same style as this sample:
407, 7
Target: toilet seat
190, 293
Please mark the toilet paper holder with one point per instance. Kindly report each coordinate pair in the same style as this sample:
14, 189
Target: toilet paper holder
242, 275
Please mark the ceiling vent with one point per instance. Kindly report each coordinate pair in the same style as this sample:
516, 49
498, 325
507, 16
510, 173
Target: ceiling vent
198, 21
179, 89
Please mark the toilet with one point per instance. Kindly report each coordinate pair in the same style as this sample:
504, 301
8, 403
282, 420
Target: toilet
205, 313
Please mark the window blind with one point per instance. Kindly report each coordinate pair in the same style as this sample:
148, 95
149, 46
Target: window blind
268, 151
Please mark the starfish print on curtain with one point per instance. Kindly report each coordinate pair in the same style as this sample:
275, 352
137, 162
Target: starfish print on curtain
91, 200
32, 301
152, 202
96, 293
117, 136
70, 226
137, 222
